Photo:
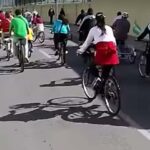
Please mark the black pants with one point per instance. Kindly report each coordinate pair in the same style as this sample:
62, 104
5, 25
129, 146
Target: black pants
105, 74
60, 38
82, 36
51, 19
147, 69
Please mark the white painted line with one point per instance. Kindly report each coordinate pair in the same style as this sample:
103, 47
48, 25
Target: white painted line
45, 54
131, 122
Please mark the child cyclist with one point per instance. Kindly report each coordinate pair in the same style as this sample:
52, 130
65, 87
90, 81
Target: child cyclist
61, 30
30, 39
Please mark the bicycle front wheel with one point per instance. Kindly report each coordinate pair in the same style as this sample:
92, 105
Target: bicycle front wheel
41, 36
132, 55
142, 65
112, 96
88, 84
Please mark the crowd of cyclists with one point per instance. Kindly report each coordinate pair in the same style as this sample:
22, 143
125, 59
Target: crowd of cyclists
20, 26
92, 29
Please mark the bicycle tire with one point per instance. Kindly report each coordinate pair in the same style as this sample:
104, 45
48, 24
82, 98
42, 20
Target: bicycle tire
62, 54
41, 36
86, 77
29, 47
8, 55
7, 52
112, 96
132, 56
142, 64
21, 57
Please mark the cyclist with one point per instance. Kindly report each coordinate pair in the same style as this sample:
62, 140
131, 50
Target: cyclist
87, 23
28, 15
19, 26
119, 16
39, 23
121, 28
61, 30
30, 39
140, 37
4, 27
80, 17
105, 45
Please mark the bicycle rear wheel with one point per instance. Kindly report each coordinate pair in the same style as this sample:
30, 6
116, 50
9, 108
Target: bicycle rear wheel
62, 54
41, 36
112, 96
142, 65
21, 57
88, 82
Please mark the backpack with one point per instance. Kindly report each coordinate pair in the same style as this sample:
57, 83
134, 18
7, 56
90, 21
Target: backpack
88, 24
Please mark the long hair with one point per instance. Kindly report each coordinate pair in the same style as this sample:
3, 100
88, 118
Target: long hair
100, 18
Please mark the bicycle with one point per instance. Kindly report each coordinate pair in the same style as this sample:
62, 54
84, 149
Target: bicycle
20, 45
92, 85
7, 43
127, 52
143, 59
62, 51
40, 35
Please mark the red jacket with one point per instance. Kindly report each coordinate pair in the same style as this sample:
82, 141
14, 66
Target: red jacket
106, 54
4, 26
39, 20
2, 16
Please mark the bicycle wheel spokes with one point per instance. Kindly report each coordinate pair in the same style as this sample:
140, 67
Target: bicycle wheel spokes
142, 65
41, 37
88, 84
112, 96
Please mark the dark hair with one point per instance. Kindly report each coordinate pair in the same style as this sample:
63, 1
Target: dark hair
100, 18
7, 14
64, 20
90, 11
38, 16
118, 13
82, 11
18, 12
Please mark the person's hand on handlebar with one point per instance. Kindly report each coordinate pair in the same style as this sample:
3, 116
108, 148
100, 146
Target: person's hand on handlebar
80, 51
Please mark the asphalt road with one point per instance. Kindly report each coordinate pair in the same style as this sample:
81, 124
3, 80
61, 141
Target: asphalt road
45, 107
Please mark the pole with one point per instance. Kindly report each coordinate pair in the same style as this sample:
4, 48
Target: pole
56, 8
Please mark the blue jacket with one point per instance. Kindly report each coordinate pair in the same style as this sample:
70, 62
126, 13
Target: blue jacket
65, 29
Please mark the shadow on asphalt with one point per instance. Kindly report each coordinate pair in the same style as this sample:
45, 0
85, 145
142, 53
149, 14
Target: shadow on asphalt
39, 64
135, 93
65, 82
72, 109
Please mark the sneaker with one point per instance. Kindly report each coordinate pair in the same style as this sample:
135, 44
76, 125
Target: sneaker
26, 60
31, 50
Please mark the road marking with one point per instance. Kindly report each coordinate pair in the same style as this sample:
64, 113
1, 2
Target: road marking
122, 115
45, 54
135, 125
